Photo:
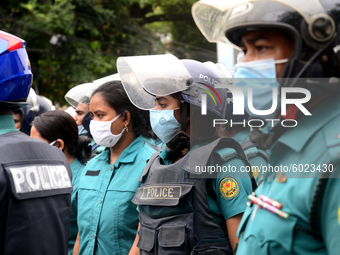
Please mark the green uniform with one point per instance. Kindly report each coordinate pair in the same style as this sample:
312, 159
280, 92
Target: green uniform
7, 124
76, 168
312, 144
257, 158
107, 219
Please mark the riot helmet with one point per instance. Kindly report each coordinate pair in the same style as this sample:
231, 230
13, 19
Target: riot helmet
312, 26
145, 77
85, 90
15, 71
79, 92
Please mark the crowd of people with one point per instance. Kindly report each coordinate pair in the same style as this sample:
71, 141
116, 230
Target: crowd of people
150, 160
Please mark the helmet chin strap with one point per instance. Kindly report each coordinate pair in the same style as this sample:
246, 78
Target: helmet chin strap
181, 140
305, 65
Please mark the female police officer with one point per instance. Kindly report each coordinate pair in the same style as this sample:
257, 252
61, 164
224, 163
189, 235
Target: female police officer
107, 219
179, 212
307, 33
59, 129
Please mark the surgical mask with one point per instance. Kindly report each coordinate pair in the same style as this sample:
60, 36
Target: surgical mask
101, 132
164, 124
259, 75
82, 130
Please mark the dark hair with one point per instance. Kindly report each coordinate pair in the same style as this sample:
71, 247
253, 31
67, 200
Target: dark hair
115, 95
53, 125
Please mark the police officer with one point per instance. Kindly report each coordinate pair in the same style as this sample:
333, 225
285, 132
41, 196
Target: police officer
35, 177
23, 117
59, 129
297, 40
79, 97
181, 211
107, 219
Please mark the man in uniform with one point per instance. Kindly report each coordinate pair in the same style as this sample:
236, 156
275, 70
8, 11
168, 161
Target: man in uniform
79, 97
298, 40
35, 178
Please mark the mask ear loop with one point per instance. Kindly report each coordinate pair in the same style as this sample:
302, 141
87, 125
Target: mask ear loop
240, 57
52, 143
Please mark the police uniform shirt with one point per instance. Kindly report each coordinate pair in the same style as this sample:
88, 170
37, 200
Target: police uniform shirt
231, 189
76, 168
311, 142
107, 219
7, 124
257, 158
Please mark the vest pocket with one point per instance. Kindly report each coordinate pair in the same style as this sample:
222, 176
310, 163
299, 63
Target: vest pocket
146, 238
168, 240
220, 248
171, 239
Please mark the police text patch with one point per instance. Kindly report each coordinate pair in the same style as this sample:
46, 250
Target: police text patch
39, 178
161, 192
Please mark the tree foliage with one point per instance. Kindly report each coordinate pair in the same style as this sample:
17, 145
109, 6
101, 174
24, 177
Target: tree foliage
70, 42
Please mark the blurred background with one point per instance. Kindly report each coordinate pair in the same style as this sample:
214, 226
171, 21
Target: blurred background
70, 42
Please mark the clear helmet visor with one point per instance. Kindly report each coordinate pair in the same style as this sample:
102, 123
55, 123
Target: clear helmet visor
77, 93
144, 77
32, 100
101, 81
212, 17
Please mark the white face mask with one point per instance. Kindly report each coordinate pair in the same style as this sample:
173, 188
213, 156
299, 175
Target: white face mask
101, 132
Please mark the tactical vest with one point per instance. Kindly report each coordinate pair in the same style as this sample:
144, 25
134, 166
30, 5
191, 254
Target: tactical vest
35, 197
175, 217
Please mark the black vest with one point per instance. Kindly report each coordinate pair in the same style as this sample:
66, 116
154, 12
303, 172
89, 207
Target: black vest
175, 217
35, 197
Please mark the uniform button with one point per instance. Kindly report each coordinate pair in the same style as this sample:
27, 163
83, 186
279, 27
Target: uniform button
111, 168
261, 236
94, 236
270, 179
101, 200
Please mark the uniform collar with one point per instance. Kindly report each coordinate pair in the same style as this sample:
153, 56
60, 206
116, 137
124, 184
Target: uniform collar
298, 136
75, 163
128, 155
7, 124
164, 155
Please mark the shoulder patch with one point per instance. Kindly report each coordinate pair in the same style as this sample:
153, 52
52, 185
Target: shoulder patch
339, 215
229, 187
